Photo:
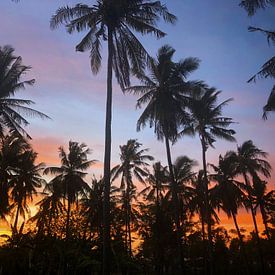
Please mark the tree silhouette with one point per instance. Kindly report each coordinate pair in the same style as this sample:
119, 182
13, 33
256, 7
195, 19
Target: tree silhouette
207, 121
133, 164
263, 200
70, 175
249, 160
12, 110
163, 92
251, 6
24, 181
228, 195
114, 22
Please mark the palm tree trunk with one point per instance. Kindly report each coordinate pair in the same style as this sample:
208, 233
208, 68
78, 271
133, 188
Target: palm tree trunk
16, 219
176, 203
159, 254
207, 208
241, 243
68, 220
264, 217
129, 229
204, 243
107, 161
255, 224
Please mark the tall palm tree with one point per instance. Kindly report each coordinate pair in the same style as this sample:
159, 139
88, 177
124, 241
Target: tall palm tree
268, 68
158, 181
184, 174
249, 161
163, 92
113, 21
50, 207
11, 148
228, 195
263, 200
133, 164
25, 179
12, 110
70, 175
208, 122
196, 204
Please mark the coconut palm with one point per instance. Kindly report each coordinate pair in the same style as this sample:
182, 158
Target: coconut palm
133, 164
207, 121
92, 208
11, 148
114, 22
12, 110
158, 181
50, 207
70, 175
196, 204
249, 161
184, 174
263, 200
251, 6
163, 92
270, 105
25, 179
228, 195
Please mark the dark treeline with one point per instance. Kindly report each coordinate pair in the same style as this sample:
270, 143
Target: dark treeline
142, 216
64, 236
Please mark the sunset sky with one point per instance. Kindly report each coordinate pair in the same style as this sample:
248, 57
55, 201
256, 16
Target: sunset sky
214, 31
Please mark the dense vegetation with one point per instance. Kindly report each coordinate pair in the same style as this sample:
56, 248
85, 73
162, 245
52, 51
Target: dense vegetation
142, 217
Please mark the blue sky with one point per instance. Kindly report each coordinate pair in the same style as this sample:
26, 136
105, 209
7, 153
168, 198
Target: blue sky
214, 31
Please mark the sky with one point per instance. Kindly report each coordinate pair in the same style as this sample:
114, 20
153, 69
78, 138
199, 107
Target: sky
214, 31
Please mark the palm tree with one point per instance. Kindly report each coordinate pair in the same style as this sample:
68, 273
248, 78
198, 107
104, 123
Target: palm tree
251, 6
184, 174
228, 195
163, 94
133, 164
70, 175
249, 161
157, 181
263, 200
92, 206
113, 21
196, 204
25, 179
12, 110
11, 148
50, 207
207, 121
270, 105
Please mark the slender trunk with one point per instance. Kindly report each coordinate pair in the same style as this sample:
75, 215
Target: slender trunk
202, 227
16, 219
176, 204
129, 229
241, 243
264, 217
68, 220
126, 223
159, 255
207, 208
262, 270
107, 162
204, 242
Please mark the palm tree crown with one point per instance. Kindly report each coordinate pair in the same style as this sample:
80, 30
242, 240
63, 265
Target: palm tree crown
164, 93
12, 109
70, 176
206, 118
114, 21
